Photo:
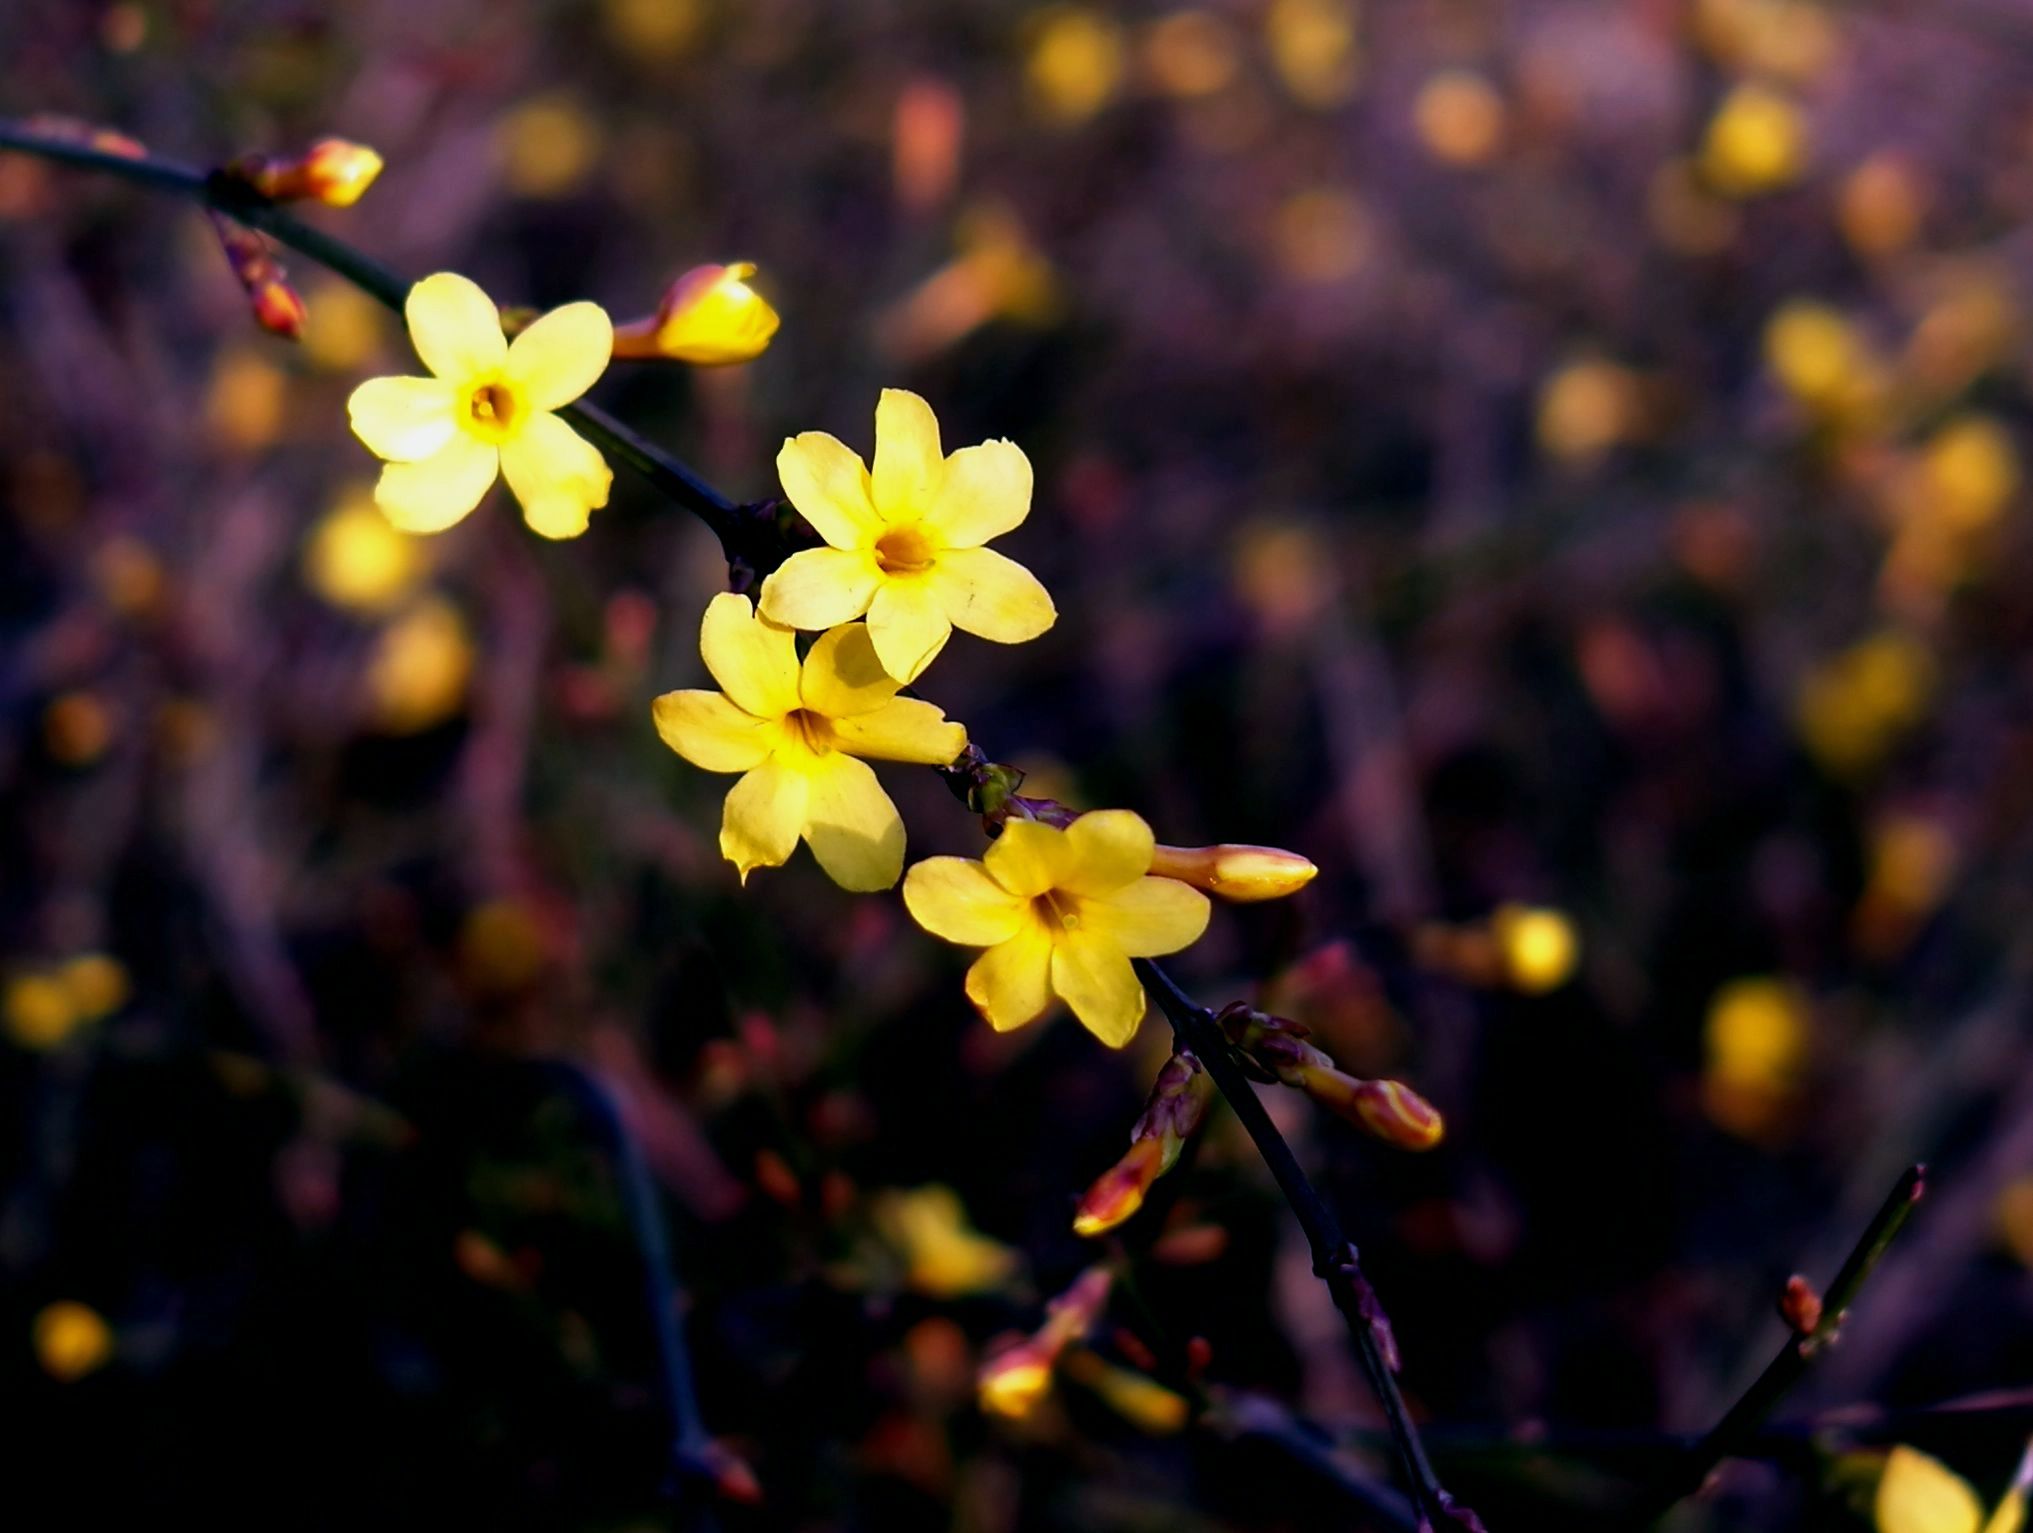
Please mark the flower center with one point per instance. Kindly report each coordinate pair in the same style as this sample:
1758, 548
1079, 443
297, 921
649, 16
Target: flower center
493, 412
809, 729
1059, 911
904, 551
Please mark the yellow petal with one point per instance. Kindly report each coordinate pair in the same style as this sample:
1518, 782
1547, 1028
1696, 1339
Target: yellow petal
1106, 849
1011, 983
560, 477
841, 676
954, 898
1092, 975
755, 662
710, 732
991, 596
1152, 917
986, 492
2010, 1516
853, 828
818, 587
828, 483
1920, 1494
909, 626
402, 419
1028, 858
712, 317
442, 489
903, 729
561, 355
455, 328
764, 812
908, 464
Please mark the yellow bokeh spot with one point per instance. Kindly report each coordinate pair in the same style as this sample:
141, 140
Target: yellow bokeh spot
1972, 470
1539, 946
1075, 62
944, 1256
345, 328
1793, 39
39, 1011
1284, 573
502, 947
96, 984
1756, 1034
654, 29
129, 576
1322, 235
548, 146
1013, 1387
1824, 364
1755, 143
1854, 706
420, 668
356, 559
77, 727
1315, 49
71, 1341
1190, 53
1586, 408
1459, 117
1920, 1494
1881, 205
248, 396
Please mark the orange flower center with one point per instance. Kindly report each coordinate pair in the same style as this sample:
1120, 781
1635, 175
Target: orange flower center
1058, 910
493, 411
904, 551
809, 729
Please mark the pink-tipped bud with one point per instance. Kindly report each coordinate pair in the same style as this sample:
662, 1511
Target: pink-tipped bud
1120, 1190
1015, 1379
336, 171
1241, 874
277, 306
1398, 1115
279, 309
1800, 1305
709, 317
1177, 1103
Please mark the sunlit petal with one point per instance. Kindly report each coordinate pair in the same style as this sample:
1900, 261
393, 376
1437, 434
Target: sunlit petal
561, 355
854, 829
1109, 848
431, 495
986, 491
909, 626
402, 419
903, 729
710, 732
819, 587
954, 898
1028, 858
991, 596
1152, 917
828, 483
764, 813
559, 477
1011, 983
755, 662
455, 328
1093, 976
908, 464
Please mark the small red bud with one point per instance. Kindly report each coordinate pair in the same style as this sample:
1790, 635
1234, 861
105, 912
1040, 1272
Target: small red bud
1800, 1305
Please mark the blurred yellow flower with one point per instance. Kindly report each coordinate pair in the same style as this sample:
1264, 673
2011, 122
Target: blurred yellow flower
38, 1010
905, 541
1854, 706
1460, 117
1822, 361
96, 984
486, 411
1061, 913
344, 327
1757, 1032
248, 400
420, 668
1012, 1385
355, 558
1919, 1494
797, 733
71, 1340
1972, 470
1538, 945
1314, 47
1075, 61
1755, 143
548, 145
944, 1256
1882, 204
1137, 1398
1586, 408
709, 317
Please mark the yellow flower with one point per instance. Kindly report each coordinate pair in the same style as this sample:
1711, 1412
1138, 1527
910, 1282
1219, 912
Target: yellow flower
906, 540
709, 317
1062, 913
1920, 1494
796, 733
488, 410
943, 1254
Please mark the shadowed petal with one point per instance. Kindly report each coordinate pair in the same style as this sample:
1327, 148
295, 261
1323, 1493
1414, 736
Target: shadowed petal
764, 812
842, 677
909, 627
1092, 975
1011, 983
853, 828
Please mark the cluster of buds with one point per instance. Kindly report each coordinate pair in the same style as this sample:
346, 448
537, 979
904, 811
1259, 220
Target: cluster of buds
334, 171
709, 317
1174, 1109
278, 307
1015, 1379
1275, 1049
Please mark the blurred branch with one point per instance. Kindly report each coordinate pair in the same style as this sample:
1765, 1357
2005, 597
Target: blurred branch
1335, 1260
1742, 1421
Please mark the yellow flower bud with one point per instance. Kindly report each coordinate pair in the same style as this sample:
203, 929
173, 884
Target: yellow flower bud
1242, 874
1120, 1190
1390, 1110
709, 317
336, 172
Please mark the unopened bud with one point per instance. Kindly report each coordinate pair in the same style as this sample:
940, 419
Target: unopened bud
1275, 1049
279, 309
276, 305
1800, 1305
1177, 1103
709, 317
334, 171
1119, 1191
1014, 1380
1398, 1115
1242, 874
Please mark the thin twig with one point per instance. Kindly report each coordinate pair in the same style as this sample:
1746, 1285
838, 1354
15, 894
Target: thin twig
1743, 1419
1335, 1260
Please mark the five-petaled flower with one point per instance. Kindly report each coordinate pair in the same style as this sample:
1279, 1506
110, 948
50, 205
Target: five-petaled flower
905, 541
1062, 913
796, 731
488, 409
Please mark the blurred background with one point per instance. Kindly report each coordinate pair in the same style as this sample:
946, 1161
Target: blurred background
1557, 465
